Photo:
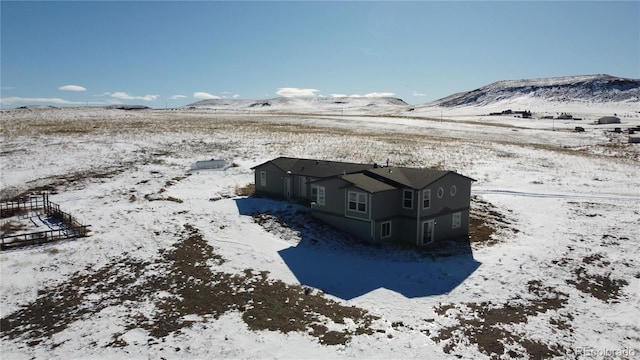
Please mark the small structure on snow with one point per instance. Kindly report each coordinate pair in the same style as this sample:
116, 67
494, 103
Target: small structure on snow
128, 107
609, 120
211, 164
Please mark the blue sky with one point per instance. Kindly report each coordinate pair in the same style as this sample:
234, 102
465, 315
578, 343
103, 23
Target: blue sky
171, 53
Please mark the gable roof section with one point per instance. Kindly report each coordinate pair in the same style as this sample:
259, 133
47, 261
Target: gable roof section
407, 177
366, 183
316, 168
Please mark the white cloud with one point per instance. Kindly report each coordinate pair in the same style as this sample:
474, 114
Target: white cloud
369, 95
177, 97
72, 88
124, 96
59, 101
204, 95
377, 94
415, 93
295, 92
229, 95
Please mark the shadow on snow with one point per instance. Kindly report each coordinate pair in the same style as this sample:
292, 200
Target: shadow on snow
340, 265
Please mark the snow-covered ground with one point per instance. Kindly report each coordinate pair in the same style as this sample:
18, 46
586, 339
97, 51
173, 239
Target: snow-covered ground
561, 280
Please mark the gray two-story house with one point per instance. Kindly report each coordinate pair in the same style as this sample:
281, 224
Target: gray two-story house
419, 206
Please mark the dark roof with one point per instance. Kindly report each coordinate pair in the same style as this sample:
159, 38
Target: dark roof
414, 178
316, 168
364, 176
389, 178
366, 183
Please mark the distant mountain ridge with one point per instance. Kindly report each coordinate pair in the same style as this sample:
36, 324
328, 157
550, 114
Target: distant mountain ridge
586, 88
283, 103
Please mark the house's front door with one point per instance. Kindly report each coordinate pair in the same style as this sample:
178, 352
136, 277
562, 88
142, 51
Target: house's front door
287, 187
427, 232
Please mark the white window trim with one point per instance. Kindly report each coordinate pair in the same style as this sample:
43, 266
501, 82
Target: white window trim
263, 178
405, 199
426, 196
456, 220
357, 201
382, 235
453, 190
440, 192
320, 195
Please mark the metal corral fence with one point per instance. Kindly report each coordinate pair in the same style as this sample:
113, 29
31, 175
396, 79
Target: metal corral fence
22, 205
72, 228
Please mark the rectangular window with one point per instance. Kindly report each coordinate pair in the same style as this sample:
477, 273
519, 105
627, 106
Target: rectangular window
263, 178
357, 201
321, 197
426, 198
456, 220
386, 229
317, 194
407, 199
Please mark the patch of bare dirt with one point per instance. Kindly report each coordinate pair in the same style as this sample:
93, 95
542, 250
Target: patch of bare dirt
593, 276
487, 225
490, 325
182, 281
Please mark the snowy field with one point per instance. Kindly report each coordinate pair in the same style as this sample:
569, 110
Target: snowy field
180, 266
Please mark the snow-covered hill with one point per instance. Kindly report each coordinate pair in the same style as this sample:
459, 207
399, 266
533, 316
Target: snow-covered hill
587, 97
319, 104
588, 88
601, 94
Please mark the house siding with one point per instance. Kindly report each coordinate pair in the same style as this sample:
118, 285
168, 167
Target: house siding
275, 180
402, 229
335, 211
334, 196
459, 200
441, 209
387, 204
355, 227
276, 183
